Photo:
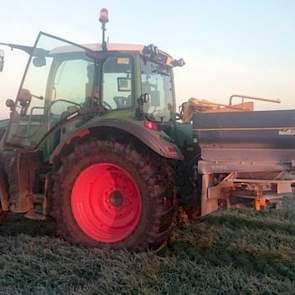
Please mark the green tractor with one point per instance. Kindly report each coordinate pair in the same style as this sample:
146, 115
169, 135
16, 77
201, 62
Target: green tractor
94, 141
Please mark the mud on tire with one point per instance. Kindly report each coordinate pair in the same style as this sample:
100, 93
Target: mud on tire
3, 188
151, 174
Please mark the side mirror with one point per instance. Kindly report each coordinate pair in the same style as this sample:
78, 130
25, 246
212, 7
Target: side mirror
1, 60
39, 62
146, 97
10, 104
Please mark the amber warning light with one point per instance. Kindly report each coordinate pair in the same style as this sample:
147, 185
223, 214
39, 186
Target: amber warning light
104, 16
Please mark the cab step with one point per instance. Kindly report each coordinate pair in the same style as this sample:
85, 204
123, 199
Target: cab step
38, 212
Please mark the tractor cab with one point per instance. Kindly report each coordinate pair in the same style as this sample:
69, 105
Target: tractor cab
64, 80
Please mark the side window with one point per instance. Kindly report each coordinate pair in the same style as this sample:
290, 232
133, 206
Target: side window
117, 82
157, 81
73, 82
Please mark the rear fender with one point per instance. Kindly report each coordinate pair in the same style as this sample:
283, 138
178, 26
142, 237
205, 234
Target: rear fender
153, 139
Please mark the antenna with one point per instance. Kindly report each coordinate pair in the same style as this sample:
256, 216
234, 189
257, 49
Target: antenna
104, 18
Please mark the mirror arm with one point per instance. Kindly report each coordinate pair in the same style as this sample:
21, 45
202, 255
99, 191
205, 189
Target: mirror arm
27, 49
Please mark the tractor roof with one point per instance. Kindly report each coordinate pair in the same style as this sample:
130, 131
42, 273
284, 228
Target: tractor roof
137, 48
119, 47
116, 47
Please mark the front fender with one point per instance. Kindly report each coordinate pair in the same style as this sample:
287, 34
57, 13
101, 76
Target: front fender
153, 139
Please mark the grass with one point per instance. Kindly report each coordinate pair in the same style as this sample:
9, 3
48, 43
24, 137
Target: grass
232, 252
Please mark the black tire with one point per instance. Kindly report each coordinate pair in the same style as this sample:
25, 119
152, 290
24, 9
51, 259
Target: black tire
152, 175
3, 216
3, 190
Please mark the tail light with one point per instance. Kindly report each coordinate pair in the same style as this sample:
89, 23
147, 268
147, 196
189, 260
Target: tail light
151, 125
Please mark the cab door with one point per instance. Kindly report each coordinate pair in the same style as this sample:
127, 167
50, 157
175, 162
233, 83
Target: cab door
59, 75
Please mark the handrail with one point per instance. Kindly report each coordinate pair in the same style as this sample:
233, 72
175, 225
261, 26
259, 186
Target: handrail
203, 102
243, 97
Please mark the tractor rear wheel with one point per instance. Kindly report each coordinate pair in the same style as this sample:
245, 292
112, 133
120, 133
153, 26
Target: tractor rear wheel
3, 190
3, 215
112, 194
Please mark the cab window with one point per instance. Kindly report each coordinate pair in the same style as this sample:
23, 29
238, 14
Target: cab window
157, 81
73, 82
117, 82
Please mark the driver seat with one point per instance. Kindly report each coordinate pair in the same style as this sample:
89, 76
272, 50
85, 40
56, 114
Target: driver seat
123, 102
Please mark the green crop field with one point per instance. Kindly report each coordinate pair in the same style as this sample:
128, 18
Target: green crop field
233, 252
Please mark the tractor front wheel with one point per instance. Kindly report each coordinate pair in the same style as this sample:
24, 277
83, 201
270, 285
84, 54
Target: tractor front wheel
113, 194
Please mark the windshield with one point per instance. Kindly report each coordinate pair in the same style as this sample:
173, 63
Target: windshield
157, 81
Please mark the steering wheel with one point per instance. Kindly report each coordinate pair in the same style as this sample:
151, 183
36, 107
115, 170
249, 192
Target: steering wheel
107, 105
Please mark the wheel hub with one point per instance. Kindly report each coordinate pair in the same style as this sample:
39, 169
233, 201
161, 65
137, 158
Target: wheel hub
116, 199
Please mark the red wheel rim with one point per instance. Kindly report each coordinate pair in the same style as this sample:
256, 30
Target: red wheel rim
106, 202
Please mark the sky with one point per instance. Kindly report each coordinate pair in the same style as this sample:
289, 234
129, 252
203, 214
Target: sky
230, 46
